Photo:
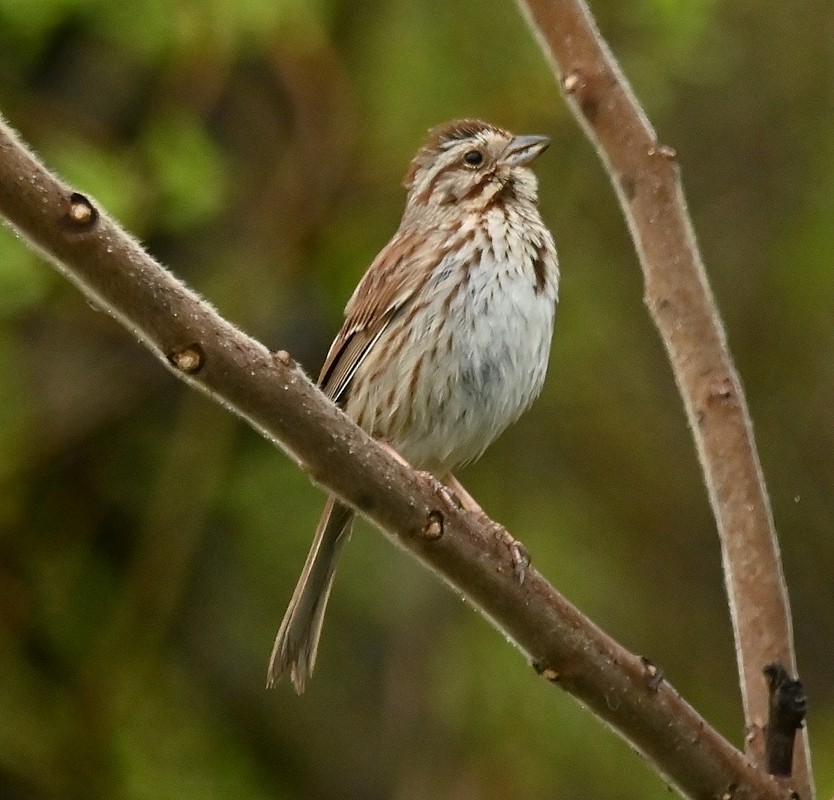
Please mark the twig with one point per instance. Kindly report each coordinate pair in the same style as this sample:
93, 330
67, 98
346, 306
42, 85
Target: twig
277, 399
646, 179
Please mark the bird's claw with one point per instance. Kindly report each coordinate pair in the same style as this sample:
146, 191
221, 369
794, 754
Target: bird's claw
518, 552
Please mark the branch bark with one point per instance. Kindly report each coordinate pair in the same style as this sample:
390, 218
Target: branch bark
646, 179
273, 395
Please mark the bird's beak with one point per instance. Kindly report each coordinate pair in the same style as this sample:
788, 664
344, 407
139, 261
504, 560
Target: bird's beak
523, 149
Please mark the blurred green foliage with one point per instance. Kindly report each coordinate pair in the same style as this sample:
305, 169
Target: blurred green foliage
149, 542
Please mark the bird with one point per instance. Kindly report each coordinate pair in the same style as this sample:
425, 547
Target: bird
446, 338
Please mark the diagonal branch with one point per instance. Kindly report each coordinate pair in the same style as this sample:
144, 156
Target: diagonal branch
276, 398
647, 182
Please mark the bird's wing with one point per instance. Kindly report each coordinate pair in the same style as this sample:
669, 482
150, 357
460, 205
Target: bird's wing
390, 285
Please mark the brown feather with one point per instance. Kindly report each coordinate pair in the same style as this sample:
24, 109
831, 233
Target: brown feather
390, 284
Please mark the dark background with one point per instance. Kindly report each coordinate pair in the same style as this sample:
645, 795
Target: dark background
149, 541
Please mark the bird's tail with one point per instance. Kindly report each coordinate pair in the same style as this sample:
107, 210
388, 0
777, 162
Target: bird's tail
298, 637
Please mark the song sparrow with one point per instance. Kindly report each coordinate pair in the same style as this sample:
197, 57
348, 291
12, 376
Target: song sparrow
446, 338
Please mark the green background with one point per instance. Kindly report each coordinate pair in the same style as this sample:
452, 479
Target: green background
149, 541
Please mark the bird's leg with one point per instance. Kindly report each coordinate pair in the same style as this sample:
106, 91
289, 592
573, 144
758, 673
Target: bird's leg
436, 484
455, 494
464, 499
393, 453
518, 553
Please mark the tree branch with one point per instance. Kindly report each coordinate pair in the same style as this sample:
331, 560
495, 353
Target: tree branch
272, 393
647, 182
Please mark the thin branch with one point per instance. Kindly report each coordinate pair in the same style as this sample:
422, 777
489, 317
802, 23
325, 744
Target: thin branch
646, 179
272, 393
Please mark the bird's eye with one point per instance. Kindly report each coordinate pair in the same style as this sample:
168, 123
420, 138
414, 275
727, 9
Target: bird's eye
473, 158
